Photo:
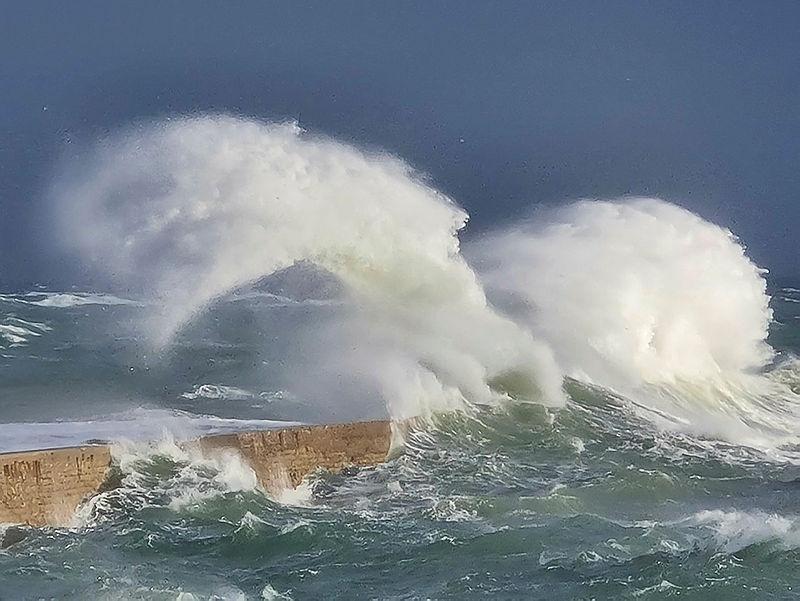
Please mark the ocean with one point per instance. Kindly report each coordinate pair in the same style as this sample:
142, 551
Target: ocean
607, 392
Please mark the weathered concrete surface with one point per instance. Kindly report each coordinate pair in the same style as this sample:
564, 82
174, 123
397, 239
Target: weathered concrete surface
282, 458
45, 487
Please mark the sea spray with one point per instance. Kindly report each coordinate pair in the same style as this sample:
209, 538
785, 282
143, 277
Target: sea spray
637, 290
640, 296
188, 209
168, 474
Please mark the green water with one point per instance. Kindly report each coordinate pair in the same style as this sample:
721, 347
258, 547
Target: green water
585, 503
592, 501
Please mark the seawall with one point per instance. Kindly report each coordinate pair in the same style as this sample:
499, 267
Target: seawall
46, 487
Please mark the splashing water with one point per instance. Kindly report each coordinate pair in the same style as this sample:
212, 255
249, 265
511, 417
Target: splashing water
672, 469
645, 298
638, 296
190, 209
635, 291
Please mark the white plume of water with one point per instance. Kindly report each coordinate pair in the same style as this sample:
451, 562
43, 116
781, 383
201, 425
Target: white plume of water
646, 298
635, 291
188, 209
637, 295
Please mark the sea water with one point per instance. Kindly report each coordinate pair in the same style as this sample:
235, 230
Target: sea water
607, 392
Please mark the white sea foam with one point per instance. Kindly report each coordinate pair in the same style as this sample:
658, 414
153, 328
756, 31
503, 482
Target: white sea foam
181, 477
665, 586
218, 392
277, 300
15, 335
294, 496
186, 479
270, 594
736, 530
193, 485
62, 300
648, 299
10, 298
189, 209
76, 299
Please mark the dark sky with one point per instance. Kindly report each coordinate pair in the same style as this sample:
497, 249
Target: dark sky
506, 105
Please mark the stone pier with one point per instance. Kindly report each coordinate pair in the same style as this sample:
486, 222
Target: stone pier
45, 487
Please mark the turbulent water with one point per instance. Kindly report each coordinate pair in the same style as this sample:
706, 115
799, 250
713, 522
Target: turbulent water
609, 390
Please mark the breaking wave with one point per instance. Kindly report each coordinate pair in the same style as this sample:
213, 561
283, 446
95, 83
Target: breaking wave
635, 291
190, 209
647, 299
638, 296
737, 530
64, 300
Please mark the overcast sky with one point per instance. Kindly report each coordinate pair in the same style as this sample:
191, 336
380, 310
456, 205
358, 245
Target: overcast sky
506, 105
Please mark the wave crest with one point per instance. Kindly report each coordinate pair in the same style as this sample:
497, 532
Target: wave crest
190, 209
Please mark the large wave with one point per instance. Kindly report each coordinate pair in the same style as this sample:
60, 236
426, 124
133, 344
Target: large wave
633, 291
635, 295
189, 209
646, 298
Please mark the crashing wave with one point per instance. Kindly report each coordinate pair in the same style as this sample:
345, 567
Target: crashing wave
646, 298
638, 296
191, 209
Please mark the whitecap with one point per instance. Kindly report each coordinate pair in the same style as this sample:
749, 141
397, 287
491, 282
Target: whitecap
76, 299
270, 594
218, 392
734, 530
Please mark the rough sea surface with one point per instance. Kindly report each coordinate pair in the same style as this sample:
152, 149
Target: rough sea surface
591, 501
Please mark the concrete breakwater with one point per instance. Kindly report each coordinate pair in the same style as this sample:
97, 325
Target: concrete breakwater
45, 487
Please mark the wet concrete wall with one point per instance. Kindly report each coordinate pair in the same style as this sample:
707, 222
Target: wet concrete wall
46, 487
282, 458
